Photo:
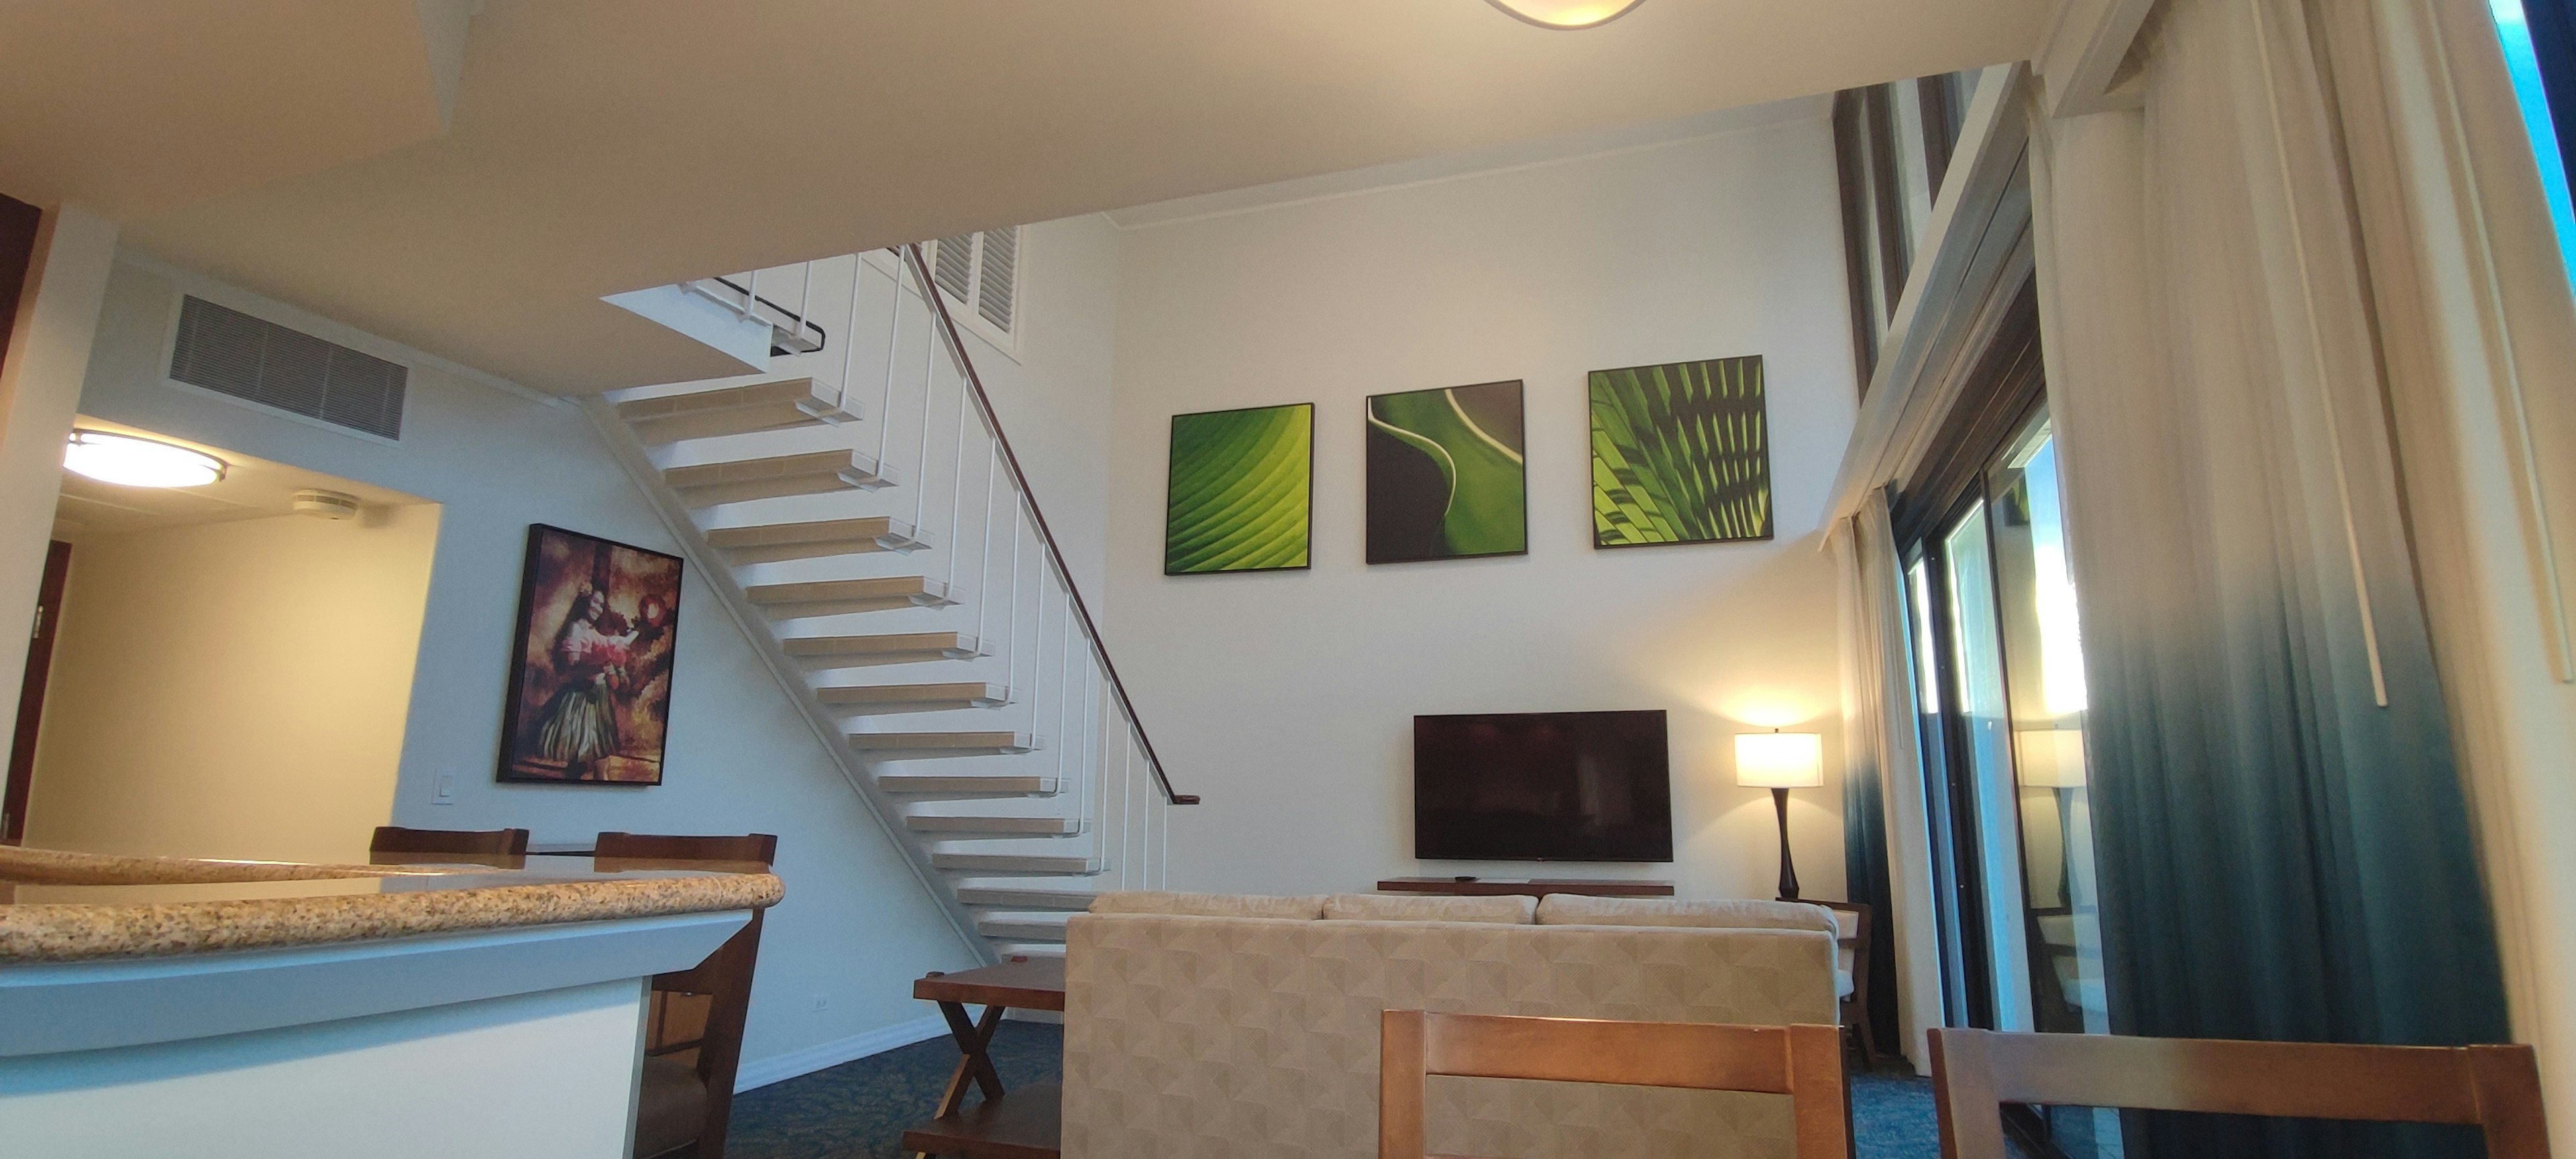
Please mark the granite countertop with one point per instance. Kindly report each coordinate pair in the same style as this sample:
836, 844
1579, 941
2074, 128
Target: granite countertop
68, 907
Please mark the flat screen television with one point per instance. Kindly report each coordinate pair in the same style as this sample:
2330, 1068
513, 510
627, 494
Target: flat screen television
1542, 786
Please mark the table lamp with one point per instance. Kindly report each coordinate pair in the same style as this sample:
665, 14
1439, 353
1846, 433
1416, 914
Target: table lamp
1781, 761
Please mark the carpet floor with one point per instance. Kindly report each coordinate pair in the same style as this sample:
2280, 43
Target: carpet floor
860, 1108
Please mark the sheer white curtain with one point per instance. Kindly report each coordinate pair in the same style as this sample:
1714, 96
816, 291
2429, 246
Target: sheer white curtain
1882, 744
2248, 319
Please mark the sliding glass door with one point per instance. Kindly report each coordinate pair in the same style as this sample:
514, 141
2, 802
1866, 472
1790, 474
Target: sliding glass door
2000, 652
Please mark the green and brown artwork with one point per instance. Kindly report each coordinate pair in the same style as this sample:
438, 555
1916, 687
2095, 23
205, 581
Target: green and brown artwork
1241, 490
1681, 453
1446, 474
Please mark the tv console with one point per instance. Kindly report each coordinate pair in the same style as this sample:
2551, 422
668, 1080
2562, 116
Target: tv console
1531, 887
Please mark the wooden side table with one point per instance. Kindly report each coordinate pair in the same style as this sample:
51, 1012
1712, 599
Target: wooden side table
1022, 1124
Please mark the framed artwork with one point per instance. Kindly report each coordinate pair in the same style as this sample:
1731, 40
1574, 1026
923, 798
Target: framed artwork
1242, 490
1447, 476
590, 674
1681, 453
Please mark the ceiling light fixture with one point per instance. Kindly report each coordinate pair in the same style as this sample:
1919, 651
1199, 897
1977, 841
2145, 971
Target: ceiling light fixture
1567, 14
130, 461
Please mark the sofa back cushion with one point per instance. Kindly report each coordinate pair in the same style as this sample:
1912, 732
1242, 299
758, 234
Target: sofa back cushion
1307, 907
1566, 909
1417, 907
1238, 1038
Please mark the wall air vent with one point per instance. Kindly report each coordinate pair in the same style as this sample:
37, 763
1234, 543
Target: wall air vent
980, 273
255, 360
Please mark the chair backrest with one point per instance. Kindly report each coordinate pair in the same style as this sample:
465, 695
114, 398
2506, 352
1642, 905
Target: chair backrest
395, 845
688, 852
1802, 1062
2496, 1088
701, 1010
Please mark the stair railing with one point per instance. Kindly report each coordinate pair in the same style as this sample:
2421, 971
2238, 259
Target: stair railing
1100, 739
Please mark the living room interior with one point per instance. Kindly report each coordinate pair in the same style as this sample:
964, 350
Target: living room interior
1293, 580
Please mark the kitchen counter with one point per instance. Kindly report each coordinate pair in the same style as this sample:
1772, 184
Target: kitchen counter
241, 1009
64, 907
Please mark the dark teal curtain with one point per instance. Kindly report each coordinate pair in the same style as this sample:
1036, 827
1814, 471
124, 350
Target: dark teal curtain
1865, 871
2284, 844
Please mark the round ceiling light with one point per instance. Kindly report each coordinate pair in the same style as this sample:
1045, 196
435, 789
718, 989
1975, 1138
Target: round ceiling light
130, 461
1567, 14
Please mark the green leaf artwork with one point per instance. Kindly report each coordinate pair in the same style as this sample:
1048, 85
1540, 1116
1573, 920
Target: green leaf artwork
1241, 488
1681, 453
1446, 474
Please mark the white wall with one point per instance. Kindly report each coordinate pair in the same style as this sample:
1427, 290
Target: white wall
233, 689
40, 382
855, 928
1286, 698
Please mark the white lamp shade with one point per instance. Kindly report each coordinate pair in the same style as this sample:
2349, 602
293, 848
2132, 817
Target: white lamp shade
1780, 760
1567, 14
2050, 758
133, 461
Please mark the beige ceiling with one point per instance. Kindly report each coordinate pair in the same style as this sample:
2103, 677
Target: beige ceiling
599, 146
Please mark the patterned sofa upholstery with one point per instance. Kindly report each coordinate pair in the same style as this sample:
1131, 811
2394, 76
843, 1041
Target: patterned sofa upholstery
1254, 1037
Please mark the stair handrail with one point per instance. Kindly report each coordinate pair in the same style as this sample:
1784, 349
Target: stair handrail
954, 339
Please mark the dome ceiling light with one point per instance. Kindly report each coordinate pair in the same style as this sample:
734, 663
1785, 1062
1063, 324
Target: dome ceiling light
1567, 14
130, 461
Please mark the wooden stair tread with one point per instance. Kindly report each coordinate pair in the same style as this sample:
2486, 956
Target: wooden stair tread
924, 784
733, 410
1025, 928
1007, 742
887, 648
966, 694
842, 596
1040, 864
1019, 898
996, 826
803, 473
814, 539
1027, 1122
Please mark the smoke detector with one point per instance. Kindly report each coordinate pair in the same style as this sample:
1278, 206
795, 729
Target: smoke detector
322, 504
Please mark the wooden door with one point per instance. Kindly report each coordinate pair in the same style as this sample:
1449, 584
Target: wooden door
31, 695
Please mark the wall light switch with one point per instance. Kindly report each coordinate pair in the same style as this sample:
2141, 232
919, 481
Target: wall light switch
445, 793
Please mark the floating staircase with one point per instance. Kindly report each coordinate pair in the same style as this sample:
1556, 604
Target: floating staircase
900, 538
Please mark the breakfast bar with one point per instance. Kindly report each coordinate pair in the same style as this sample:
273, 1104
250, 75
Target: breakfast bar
217, 1008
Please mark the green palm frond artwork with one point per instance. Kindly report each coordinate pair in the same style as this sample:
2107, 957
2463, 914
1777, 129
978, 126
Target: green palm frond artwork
1241, 489
1447, 477
1681, 453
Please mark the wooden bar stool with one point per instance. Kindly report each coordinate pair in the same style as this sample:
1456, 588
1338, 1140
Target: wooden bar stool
1802, 1062
1974, 1072
693, 1034
395, 845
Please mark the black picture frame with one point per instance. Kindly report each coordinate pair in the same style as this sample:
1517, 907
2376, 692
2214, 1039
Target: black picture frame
591, 660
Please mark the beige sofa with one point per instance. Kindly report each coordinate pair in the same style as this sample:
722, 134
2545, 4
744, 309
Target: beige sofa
1235, 1027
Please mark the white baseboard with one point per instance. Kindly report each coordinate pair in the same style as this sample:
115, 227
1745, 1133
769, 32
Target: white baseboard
781, 1067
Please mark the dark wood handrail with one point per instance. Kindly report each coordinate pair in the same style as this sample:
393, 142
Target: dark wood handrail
912, 255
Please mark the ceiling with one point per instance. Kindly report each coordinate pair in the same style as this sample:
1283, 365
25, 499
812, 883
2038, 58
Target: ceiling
250, 489
598, 146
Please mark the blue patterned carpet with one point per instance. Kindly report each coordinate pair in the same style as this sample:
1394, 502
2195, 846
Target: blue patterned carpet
858, 1110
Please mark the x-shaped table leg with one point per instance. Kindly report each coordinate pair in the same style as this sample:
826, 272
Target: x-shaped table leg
975, 1058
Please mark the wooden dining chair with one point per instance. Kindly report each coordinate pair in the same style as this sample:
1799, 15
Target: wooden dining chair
1974, 1072
1851, 959
395, 845
693, 1034
1802, 1062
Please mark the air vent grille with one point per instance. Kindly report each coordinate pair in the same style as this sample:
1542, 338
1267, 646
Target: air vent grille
981, 271
955, 268
993, 290
232, 353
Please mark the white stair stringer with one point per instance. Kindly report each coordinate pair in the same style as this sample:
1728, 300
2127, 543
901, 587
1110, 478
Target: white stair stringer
828, 728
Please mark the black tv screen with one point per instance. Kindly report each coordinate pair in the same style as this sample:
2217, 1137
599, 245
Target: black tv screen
1542, 786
